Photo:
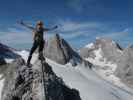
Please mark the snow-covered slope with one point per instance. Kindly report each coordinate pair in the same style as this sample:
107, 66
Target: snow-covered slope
90, 85
104, 55
107, 48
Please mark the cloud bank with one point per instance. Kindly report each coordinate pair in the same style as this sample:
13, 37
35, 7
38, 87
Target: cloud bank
77, 33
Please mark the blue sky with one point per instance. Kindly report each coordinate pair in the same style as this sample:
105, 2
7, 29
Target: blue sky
79, 21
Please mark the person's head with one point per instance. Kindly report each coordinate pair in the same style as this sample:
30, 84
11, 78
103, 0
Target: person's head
39, 24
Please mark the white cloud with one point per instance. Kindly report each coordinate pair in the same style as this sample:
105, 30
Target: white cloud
117, 34
15, 36
126, 30
13, 30
72, 26
75, 34
71, 29
67, 29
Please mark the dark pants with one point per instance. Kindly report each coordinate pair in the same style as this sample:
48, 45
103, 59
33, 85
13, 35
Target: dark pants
36, 44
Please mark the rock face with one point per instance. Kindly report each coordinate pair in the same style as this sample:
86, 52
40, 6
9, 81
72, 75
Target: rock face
7, 52
125, 65
24, 83
108, 49
60, 51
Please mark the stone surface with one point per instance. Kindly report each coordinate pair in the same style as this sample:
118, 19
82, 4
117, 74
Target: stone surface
109, 49
23, 83
60, 51
125, 65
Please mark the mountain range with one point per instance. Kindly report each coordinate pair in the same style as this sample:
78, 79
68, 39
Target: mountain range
102, 69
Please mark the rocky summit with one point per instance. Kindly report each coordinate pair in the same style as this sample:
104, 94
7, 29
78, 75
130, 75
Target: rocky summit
57, 49
125, 65
107, 48
23, 83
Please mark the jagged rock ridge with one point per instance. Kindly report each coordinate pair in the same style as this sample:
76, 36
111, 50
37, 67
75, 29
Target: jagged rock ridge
125, 65
109, 49
60, 51
24, 83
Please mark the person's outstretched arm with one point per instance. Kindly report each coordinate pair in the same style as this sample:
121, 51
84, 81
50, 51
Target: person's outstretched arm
50, 29
26, 25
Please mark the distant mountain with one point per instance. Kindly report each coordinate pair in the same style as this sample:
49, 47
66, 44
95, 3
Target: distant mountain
104, 54
103, 49
76, 83
62, 81
125, 66
7, 52
57, 49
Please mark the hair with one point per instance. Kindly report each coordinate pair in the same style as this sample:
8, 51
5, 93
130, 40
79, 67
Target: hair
39, 23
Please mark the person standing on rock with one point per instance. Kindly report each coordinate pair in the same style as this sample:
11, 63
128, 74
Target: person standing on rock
37, 38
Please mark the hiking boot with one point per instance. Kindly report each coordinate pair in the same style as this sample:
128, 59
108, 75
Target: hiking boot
29, 65
41, 57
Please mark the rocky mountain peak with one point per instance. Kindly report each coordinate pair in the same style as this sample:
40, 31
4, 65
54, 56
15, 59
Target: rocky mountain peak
60, 51
23, 83
106, 42
130, 46
125, 65
107, 47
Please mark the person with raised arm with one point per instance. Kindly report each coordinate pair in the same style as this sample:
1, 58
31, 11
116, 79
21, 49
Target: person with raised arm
38, 40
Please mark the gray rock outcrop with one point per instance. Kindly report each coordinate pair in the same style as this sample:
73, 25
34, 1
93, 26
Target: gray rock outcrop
125, 66
60, 51
109, 49
22, 83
